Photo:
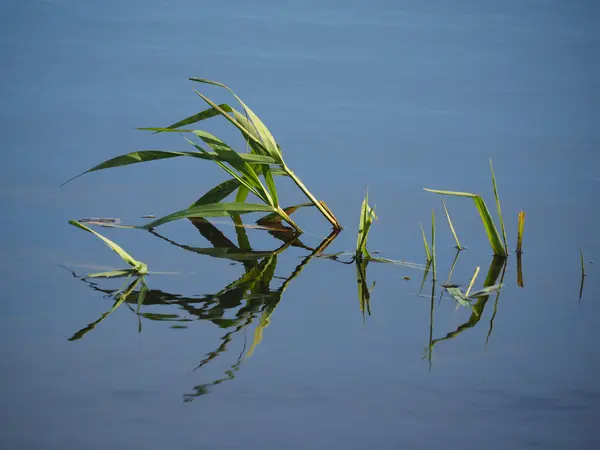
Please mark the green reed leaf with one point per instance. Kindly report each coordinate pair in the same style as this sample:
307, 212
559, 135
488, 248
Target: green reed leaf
154, 155
520, 230
427, 252
458, 246
218, 193
138, 266
499, 209
210, 210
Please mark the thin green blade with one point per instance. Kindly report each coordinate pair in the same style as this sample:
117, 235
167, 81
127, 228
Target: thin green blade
139, 266
499, 209
427, 252
210, 210
454, 193
202, 115
490, 227
458, 246
218, 193
154, 155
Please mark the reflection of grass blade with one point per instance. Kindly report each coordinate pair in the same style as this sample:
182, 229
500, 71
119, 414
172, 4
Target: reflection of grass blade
582, 262
275, 218
520, 229
458, 246
364, 292
119, 300
427, 252
519, 271
500, 218
486, 219
138, 266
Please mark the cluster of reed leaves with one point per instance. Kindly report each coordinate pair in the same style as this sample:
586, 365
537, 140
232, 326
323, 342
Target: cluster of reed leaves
498, 242
251, 172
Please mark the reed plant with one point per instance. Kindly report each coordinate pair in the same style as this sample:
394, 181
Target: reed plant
520, 229
265, 160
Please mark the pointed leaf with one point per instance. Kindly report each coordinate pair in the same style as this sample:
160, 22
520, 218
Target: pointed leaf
154, 155
210, 210
139, 266
218, 193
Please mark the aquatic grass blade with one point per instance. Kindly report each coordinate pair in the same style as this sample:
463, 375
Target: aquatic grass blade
218, 193
582, 262
427, 252
142, 156
202, 115
210, 210
484, 214
367, 216
500, 218
138, 266
520, 230
458, 246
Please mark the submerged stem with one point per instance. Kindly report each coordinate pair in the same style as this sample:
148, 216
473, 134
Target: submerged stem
328, 215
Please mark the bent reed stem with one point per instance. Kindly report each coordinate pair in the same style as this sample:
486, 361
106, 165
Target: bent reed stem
328, 215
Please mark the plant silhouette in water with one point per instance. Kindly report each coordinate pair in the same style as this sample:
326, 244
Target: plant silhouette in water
476, 301
265, 160
252, 296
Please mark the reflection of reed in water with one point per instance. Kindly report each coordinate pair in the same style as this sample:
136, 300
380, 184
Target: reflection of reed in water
250, 297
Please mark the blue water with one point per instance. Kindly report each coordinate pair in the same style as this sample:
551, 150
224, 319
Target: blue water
386, 95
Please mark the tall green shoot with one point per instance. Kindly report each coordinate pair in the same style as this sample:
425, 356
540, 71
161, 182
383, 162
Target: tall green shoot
458, 246
520, 229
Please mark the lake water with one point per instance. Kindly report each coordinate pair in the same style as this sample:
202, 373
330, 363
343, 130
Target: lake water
393, 96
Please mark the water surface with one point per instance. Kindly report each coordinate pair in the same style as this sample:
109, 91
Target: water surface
392, 96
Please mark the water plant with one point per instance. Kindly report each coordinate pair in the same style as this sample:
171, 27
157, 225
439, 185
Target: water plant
367, 217
497, 243
265, 160
137, 267
520, 229
430, 254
